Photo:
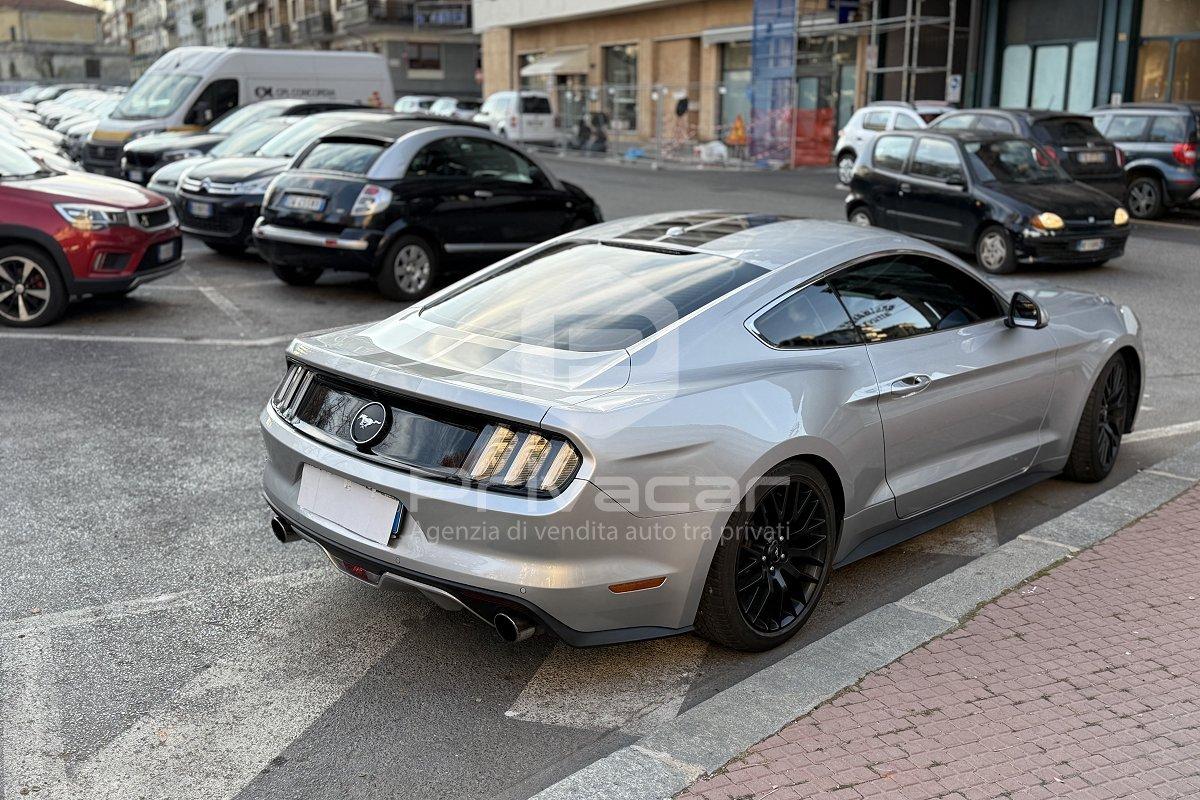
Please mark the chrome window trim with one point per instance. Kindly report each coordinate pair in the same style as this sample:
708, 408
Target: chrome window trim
749, 322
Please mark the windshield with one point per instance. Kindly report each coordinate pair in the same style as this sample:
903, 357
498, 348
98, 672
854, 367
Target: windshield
1012, 161
245, 115
353, 157
155, 95
15, 163
293, 140
591, 297
248, 140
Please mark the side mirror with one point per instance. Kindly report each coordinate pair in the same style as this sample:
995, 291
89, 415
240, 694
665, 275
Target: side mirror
956, 181
1024, 312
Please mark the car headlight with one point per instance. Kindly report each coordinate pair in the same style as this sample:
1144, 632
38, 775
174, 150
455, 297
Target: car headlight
507, 458
258, 186
86, 217
1048, 221
179, 155
147, 132
1120, 216
371, 200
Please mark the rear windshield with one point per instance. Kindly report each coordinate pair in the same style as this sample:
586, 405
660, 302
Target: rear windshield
591, 297
535, 105
1065, 130
1012, 161
344, 156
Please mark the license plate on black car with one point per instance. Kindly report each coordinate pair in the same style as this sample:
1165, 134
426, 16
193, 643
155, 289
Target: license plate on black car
303, 202
1092, 157
1089, 245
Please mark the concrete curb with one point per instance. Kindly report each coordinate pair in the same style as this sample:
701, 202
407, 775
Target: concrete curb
707, 736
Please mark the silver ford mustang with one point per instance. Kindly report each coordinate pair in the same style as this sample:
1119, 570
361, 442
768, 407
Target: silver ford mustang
685, 422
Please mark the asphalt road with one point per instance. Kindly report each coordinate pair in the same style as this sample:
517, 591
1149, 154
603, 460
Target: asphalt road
157, 642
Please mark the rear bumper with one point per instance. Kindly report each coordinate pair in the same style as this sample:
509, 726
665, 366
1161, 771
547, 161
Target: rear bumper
553, 559
1064, 248
352, 250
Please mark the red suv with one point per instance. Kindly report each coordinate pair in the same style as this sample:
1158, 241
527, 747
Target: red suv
65, 235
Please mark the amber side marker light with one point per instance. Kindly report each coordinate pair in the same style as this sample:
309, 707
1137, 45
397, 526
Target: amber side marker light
635, 586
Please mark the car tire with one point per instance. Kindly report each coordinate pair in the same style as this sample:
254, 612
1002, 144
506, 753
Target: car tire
994, 251
845, 168
1098, 437
752, 571
1145, 197
32, 292
297, 276
408, 269
225, 249
861, 216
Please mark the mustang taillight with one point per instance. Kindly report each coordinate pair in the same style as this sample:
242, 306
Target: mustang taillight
291, 388
518, 460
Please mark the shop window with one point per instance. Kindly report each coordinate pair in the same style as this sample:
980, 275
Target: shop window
1169, 17
1081, 94
1154, 60
1185, 85
91, 68
734, 92
1014, 76
620, 91
1049, 77
424, 57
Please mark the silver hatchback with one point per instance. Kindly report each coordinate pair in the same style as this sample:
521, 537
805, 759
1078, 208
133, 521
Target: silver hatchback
685, 422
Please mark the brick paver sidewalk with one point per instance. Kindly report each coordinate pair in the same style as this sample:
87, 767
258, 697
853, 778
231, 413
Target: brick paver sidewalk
1081, 683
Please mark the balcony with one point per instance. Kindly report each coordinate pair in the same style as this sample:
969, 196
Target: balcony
280, 35
362, 13
438, 14
314, 26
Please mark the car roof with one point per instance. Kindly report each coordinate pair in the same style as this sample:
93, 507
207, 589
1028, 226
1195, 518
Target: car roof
770, 241
389, 129
1178, 108
958, 134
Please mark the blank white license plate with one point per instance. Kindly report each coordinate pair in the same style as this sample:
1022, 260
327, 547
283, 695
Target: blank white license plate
303, 202
1092, 158
135, 175
197, 209
1089, 245
362, 511
166, 252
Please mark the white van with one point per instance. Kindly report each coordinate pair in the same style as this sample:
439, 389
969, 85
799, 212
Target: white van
532, 122
190, 87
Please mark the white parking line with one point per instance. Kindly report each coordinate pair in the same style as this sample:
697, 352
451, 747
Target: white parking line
1166, 431
42, 623
625, 686
221, 728
118, 339
226, 306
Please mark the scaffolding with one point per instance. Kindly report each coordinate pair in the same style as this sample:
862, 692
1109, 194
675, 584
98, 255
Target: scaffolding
910, 27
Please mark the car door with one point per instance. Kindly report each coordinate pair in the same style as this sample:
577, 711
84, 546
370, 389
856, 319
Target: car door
519, 203
438, 193
935, 202
962, 396
889, 157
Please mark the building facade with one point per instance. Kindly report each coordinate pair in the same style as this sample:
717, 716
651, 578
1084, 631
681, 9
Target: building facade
1088, 52
56, 40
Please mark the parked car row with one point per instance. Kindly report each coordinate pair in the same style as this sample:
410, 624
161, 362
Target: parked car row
1141, 154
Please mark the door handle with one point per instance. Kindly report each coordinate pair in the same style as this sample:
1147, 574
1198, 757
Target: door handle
905, 187
482, 194
909, 384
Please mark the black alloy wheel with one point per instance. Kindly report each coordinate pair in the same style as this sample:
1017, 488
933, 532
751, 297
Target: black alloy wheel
773, 562
1145, 197
1102, 424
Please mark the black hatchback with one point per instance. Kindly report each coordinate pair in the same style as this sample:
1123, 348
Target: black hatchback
1070, 139
1002, 197
409, 201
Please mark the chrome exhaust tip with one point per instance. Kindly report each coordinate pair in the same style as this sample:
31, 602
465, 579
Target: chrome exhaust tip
513, 628
283, 530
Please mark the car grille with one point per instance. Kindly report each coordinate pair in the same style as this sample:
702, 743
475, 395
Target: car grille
136, 159
153, 218
422, 435
229, 224
100, 152
207, 187
151, 259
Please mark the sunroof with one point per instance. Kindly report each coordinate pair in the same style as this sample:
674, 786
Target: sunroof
696, 230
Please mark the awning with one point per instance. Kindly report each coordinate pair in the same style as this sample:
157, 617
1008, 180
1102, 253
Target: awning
568, 62
739, 33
